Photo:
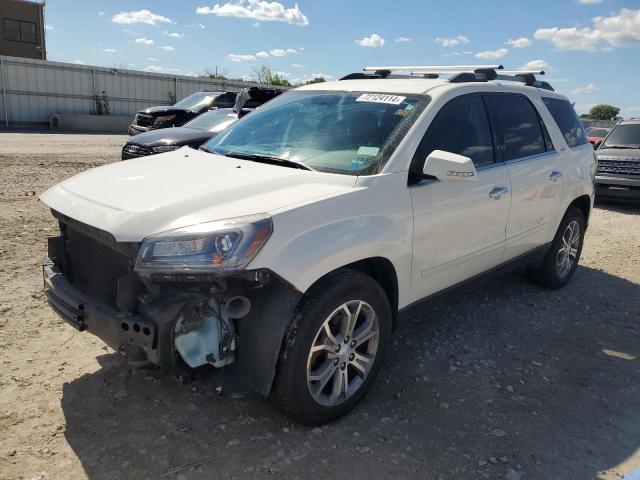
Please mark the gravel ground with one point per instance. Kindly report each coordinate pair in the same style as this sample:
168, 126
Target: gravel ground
510, 381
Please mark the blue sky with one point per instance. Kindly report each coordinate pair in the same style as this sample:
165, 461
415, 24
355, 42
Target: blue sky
590, 48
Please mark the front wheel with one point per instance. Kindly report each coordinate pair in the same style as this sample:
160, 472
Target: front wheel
329, 363
561, 260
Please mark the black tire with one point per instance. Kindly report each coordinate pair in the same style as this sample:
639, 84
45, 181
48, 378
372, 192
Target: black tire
291, 391
549, 273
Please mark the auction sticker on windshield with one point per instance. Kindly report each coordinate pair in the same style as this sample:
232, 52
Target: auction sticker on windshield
381, 98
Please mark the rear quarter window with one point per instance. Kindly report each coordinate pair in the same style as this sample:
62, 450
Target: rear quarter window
567, 120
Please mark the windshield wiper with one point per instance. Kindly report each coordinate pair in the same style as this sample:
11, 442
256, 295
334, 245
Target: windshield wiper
256, 157
625, 147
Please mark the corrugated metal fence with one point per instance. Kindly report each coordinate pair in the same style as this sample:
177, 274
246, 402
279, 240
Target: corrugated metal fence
32, 90
599, 123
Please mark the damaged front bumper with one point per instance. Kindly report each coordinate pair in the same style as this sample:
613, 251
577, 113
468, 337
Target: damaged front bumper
150, 332
119, 330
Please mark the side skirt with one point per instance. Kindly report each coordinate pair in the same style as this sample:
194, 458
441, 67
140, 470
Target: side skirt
530, 258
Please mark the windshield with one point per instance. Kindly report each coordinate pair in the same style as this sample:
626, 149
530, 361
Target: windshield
597, 132
627, 136
196, 101
214, 121
340, 132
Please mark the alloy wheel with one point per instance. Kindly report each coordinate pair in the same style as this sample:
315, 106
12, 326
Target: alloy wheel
342, 353
568, 251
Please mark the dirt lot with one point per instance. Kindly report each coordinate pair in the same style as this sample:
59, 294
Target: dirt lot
510, 381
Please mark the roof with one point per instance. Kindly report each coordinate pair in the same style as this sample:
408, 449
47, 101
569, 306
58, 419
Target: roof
629, 121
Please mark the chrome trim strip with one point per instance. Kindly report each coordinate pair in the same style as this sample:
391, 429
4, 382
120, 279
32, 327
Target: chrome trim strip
532, 157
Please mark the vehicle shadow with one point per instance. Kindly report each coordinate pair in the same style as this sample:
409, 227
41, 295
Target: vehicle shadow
508, 376
627, 207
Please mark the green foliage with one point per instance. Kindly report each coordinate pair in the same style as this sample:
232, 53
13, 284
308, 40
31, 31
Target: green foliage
316, 80
266, 75
172, 98
101, 102
604, 112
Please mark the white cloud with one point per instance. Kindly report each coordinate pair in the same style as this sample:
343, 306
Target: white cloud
79, 62
283, 74
308, 78
452, 42
168, 48
144, 41
589, 2
570, 38
521, 42
152, 59
403, 40
262, 54
298, 65
492, 54
278, 52
618, 30
48, 27
234, 57
587, 89
101, 14
140, 16
537, 65
291, 50
174, 34
108, 50
260, 10
374, 40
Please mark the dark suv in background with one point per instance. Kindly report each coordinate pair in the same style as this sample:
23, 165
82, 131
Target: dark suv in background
618, 174
154, 118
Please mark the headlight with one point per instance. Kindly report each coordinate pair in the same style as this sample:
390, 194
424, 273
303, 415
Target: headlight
165, 148
165, 119
205, 248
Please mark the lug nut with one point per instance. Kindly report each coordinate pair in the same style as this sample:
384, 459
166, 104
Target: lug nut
337, 348
343, 365
346, 339
336, 361
351, 357
353, 344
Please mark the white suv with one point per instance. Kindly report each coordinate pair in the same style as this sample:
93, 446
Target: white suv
285, 249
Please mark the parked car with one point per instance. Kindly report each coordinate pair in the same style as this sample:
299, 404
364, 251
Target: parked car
595, 135
192, 134
618, 174
154, 118
286, 250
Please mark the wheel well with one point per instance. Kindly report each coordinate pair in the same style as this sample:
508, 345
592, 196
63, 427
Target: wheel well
584, 204
383, 272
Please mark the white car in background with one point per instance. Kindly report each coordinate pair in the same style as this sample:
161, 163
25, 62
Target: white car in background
285, 251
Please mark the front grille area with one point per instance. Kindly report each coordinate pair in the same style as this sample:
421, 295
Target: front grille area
97, 265
611, 167
131, 150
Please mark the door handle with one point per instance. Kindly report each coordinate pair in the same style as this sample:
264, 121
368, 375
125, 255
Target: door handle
497, 192
555, 176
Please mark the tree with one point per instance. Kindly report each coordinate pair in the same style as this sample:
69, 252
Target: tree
604, 112
316, 80
266, 75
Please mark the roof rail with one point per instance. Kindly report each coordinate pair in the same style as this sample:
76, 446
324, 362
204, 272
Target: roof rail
433, 68
463, 73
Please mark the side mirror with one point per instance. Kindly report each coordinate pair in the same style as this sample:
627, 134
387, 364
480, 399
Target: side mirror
450, 166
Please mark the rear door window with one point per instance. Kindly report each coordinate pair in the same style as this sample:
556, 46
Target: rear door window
567, 120
461, 127
519, 126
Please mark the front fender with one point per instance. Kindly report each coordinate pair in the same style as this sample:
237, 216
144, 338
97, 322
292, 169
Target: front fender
313, 240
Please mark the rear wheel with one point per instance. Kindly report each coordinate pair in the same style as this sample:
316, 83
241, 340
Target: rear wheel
337, 350
561, 260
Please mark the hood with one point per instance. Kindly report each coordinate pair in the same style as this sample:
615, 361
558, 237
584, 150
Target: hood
619, 154
138, 198
172, 136
161, 110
